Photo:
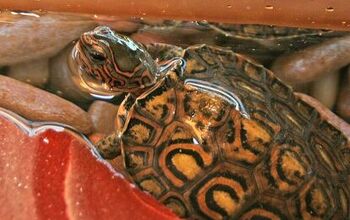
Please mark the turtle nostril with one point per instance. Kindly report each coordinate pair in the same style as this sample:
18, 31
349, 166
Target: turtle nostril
102, 30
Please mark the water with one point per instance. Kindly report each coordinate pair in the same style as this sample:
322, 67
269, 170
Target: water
261, 43
196, 100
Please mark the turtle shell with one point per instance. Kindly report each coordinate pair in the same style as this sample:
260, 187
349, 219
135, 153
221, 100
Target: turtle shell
266, 42
200, 156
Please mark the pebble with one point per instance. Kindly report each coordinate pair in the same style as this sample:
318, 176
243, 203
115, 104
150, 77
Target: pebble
326, 114
325, 89
35, 72
25, 38
102, 115
343, 102
121, 25
311, 63
126, 27
38, 105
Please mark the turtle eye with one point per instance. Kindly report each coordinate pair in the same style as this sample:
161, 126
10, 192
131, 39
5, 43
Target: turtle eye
97, 56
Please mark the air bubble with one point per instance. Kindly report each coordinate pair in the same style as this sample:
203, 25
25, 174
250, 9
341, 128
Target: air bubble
269, 7
229, 6
329, 9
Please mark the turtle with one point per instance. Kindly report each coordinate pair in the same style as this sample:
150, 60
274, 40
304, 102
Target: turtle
213, 135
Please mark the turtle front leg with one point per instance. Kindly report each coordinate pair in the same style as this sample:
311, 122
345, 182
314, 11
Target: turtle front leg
109, 147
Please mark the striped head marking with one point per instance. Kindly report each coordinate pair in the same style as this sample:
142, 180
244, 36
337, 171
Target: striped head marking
110, 62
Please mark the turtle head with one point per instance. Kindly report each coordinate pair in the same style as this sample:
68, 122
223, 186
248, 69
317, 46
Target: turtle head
110, 63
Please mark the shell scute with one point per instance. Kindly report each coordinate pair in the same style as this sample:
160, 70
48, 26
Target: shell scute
140, 130
286, 169
159, 103
180, 157
244, 141
222, 192
316, 200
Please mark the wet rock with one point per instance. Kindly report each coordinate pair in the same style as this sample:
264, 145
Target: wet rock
325, 89
102, 116
313, 62
61, 81
40, 35
180, 36
35, 72
326, 114
39, 105
343, 102
126, 26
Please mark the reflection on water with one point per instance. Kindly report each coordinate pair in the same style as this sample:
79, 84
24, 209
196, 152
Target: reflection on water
218, 90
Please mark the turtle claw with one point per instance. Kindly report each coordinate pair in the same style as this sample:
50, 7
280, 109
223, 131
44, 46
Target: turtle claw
109, 147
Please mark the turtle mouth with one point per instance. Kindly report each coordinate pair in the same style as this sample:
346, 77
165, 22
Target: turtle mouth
83, 76
79, 59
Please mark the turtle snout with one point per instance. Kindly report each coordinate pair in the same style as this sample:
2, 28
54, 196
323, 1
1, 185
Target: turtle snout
86, 38
102, 31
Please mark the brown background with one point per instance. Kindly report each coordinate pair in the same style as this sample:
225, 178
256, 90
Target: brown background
303, 13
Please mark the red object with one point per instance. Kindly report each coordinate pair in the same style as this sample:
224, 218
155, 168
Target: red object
49, 172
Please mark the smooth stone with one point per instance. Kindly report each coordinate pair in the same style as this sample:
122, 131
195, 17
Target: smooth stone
41, 35
103, 115
39, 105
326, 114
61, 79
313, 62
34, 72
325, 89
343, 102
126, 26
